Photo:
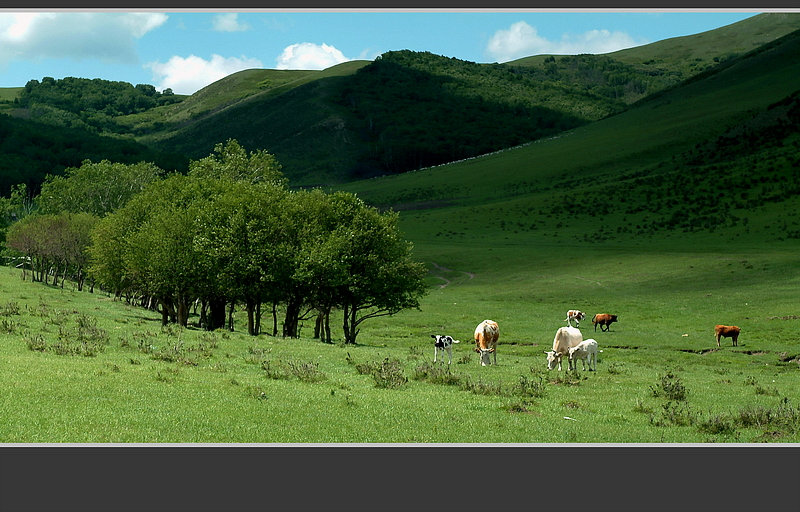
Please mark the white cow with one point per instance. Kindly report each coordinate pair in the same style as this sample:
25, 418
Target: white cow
587, 349
574, 314
566, 338
442, 344
486, 336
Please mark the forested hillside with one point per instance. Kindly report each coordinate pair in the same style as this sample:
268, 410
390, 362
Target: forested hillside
30, 150
88, 104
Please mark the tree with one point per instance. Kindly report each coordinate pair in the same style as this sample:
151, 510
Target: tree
362, 265
96, 188
232, 162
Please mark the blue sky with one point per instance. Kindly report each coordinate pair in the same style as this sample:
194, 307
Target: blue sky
186, 51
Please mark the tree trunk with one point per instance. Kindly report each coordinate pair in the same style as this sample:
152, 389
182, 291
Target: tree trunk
258, 318
292, 318
216, 318
230, 317
349, 324
318, 326
327, 326
250, 305
274, 318
182, 311
204, 315
164, 313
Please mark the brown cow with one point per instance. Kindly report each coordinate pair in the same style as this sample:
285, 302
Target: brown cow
603, 319
486, 336
727, 331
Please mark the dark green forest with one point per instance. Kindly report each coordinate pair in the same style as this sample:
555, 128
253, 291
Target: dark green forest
30, 150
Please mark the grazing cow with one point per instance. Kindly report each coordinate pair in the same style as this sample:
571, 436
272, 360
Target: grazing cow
587, 349
727, 331
566, 338
486, 336
442, 344
603, 319
574, 314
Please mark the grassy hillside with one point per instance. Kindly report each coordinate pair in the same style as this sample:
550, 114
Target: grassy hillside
643, 170
249, 84
666, 63
7, 97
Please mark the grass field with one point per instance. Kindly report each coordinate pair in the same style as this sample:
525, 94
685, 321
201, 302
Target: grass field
145, 384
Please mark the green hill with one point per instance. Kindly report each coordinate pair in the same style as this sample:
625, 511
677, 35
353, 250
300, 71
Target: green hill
668, 62
717, 155
409, 110
30, 150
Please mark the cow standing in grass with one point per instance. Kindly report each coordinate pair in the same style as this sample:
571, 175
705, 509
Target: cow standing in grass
486, 336
727, 331
574, 314
587, 349
442, 344
603, 319
566, 338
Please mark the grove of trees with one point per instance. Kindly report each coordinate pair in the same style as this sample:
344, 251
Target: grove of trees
228, 233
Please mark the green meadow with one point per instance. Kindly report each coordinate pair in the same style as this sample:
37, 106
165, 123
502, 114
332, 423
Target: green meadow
660, 377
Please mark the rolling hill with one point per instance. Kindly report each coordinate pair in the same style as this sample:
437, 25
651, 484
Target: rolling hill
411, 110
715, 156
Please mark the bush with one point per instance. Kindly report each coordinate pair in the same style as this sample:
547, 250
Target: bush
389, 374
436, 374
671, 387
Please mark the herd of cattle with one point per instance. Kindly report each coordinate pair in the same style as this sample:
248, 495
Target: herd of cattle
568, 341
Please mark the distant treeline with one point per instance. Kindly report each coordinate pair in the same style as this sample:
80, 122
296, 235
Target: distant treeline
89, 103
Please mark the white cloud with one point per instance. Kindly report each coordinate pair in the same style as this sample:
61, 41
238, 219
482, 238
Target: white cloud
310, 56
229, 23
107, 36
190, 74
523, 40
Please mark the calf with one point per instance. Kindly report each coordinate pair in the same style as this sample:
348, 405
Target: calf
443, 343
727, 331
486, 335
587, 349
603, 319
574, 314
566, 338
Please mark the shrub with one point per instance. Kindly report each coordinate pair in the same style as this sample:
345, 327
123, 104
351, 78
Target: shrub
389, 374
717, 424
436, 374
35, 342
674, 414
10, 308
306, 372
480, 387
671, 387
530, 386
276, 370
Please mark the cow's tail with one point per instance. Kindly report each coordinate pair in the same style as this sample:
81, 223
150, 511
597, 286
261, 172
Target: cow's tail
593, 318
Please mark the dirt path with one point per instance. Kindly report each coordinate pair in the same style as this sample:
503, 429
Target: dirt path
447, 282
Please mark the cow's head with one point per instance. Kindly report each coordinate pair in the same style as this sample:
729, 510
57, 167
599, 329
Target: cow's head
553, 359
484, 352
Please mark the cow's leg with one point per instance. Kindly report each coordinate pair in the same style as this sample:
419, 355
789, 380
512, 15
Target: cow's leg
435, 353
735, 340
449, 355
495, 356
718, 336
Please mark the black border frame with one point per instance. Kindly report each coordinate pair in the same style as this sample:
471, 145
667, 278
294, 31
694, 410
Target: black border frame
353, 478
